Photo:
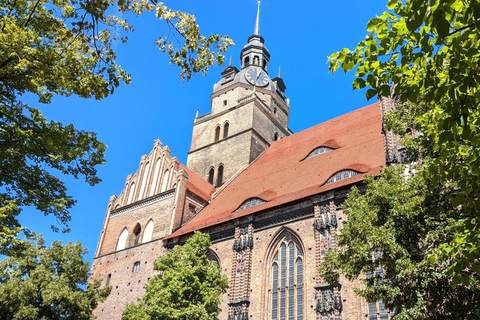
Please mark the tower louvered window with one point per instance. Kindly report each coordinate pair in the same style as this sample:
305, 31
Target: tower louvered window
287, 282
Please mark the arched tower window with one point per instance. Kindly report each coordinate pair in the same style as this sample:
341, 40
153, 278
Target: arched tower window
225, 130
275, 137
136, 234
217, 133
211, 173
286, 283
147, 234
220, 176
256, 61
122, 240
247, 61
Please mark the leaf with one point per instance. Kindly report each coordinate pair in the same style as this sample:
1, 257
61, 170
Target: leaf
371, 93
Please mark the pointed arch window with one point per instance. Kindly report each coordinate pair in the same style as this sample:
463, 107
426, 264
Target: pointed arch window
147, 234
220, 176
217, 133
211, 174
136, 234
122, 240
287, 282
225, 130
342, 175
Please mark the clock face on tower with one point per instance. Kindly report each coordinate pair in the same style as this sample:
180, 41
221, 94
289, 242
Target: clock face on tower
256, 76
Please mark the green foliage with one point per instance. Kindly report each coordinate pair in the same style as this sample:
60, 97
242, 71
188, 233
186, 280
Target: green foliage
39, 282
66, 47
430, 51
188, 286
403, 220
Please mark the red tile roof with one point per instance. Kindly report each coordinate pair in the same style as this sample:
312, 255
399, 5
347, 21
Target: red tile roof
282, 174
197, 185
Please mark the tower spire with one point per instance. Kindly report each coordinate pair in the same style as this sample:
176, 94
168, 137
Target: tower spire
257, 22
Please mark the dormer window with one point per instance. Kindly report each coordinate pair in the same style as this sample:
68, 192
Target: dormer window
342, 175
318, 151
250, 203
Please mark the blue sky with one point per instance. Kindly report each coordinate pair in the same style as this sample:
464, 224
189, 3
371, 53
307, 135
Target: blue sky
300, 35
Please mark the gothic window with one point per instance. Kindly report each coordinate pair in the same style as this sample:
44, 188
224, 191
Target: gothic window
225, 130
377, 310
211, 173
220, 176
136, 267
211, 256
287, 282
147, 234
317, 151
250, 203
342, 175
136, 234
217, 133
122, 240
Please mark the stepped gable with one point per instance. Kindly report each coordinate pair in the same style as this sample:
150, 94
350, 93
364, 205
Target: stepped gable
283, 174
197, 185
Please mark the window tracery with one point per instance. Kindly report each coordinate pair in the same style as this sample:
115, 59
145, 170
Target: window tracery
287, 281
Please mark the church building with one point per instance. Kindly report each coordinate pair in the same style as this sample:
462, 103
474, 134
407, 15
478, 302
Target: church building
269, 199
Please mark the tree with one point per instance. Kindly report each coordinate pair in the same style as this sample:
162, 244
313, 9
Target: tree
424, 230
430, 51
188, 286
39, 282
391, 232
65, 47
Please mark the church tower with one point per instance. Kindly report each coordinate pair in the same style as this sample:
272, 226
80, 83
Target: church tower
249, 110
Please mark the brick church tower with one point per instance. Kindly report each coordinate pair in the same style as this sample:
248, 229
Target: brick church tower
249, 111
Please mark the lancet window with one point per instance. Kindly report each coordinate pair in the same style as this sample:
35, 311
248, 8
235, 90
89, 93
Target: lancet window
287, 282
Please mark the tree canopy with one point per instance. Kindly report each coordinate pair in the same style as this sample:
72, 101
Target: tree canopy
188, 286
429, 51
66, 47
39, 282
424, 229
